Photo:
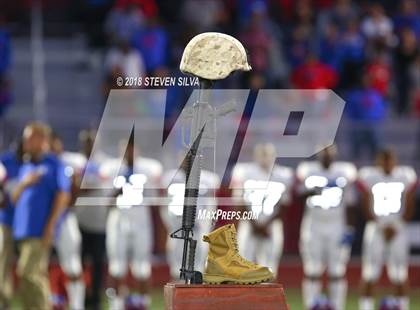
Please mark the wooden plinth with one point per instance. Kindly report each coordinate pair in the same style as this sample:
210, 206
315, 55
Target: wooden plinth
267, 296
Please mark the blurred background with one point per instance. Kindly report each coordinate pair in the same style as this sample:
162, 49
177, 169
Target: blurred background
59, 59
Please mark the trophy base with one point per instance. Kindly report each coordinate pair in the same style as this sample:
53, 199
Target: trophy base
267, 296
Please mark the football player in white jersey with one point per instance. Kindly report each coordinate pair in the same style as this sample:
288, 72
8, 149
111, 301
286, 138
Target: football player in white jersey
174, 183
388, 200
327, 186
266, 191
129, 231
68, 240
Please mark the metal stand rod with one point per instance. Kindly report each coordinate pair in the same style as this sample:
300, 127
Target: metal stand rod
192, 184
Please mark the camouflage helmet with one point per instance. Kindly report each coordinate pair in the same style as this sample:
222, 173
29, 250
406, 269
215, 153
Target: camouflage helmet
213, 56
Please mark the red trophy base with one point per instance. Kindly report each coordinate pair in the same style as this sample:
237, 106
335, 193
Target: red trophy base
267, 296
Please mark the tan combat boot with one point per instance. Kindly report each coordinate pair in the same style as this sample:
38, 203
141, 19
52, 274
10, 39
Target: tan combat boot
226, 265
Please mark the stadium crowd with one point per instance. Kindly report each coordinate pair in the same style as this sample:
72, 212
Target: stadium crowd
5, 60
367, 51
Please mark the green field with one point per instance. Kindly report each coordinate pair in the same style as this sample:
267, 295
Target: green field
295, 300
293, 297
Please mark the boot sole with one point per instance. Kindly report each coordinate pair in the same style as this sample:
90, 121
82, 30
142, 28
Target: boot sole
219, 279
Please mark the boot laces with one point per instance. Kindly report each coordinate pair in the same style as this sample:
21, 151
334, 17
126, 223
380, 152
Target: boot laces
238, 255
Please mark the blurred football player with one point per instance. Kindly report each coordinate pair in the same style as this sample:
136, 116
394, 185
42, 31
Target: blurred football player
129, 226
10, 163
40, 196
266, 192
388, 201
174, 182
68, 239
92, 218
327, 186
